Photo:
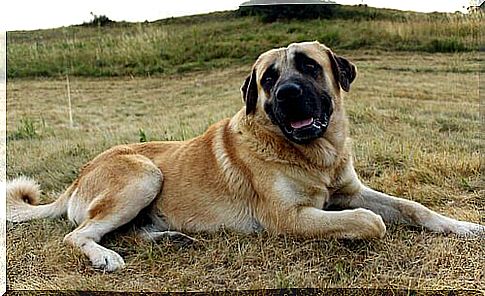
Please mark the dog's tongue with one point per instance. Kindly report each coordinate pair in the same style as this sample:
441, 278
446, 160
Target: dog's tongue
302, 123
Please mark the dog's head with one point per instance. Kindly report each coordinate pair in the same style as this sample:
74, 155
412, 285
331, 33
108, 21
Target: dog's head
297, 88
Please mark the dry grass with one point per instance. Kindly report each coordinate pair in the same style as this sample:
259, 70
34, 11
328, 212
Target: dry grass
416, 129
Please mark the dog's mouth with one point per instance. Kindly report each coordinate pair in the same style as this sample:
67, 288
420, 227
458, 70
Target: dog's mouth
305, 130
302, 112
298, 124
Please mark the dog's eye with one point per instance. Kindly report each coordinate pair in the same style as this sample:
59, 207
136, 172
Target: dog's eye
311, 69
268, 80
307, 65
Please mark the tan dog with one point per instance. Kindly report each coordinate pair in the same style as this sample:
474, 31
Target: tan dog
278, 164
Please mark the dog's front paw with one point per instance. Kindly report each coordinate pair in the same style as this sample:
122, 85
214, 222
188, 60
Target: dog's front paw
444, 224
367, 225
107, 260
467, 229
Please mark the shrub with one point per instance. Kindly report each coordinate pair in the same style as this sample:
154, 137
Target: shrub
98, 21
271, 13
445, 45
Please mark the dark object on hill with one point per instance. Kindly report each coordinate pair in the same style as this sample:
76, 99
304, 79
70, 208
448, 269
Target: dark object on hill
98, 21
305, 9
271, 13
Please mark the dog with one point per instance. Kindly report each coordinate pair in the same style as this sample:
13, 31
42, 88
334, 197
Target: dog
282, 164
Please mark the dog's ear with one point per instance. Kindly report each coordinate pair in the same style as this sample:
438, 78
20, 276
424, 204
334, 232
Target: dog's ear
343, 70
249, 92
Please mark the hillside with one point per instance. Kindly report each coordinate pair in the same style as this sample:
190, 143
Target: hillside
227, 38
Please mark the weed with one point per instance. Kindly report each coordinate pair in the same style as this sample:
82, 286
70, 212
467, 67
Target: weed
283, 281
25, 130
142, 136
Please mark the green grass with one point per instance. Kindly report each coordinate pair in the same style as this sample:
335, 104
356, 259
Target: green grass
222, 39
415, 125
26, 130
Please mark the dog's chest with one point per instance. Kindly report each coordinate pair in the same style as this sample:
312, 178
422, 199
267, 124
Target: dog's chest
296, 192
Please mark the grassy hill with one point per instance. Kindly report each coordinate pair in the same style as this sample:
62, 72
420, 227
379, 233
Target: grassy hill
226, 38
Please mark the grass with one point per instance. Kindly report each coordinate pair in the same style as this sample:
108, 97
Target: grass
26, 130
415, 125
223, 39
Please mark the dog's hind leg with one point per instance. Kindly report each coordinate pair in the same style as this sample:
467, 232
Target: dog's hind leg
159, 229
118, 188
152, 233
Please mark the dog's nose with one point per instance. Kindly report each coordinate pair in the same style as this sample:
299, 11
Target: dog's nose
288, 91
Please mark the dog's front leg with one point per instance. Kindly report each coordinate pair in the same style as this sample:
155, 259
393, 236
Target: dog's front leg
313, 222
397, 210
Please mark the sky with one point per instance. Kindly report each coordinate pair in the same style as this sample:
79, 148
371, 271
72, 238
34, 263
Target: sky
44, 14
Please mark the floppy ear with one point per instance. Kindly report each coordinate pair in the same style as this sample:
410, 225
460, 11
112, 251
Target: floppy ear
343, 70
249, 92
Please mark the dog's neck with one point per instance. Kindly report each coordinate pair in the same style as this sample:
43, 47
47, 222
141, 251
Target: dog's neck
268, 142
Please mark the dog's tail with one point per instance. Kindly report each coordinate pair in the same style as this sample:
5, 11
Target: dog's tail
23, 197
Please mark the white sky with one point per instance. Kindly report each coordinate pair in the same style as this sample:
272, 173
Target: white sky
43, 14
